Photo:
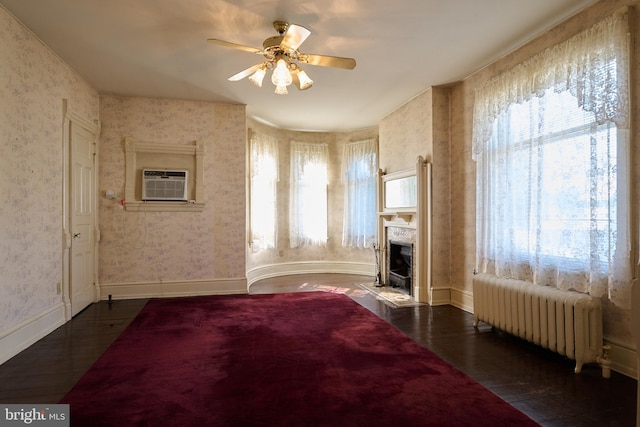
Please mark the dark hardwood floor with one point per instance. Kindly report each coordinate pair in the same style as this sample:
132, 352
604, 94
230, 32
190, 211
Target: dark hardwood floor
538, 382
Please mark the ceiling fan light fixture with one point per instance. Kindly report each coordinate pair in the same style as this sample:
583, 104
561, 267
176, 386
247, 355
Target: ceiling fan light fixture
281, 90
281, 57
305, 81
257, 77
281, 75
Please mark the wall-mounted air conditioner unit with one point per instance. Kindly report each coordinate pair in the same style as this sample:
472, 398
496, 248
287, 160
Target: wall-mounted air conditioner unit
163, 185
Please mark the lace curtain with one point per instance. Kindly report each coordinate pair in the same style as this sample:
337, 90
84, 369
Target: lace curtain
359, 168
580, 65
551, 143
263, 164
308, 198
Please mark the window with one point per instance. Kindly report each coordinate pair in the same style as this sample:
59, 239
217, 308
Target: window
308, 199
552, 147
359, 169
263, 165
141, 155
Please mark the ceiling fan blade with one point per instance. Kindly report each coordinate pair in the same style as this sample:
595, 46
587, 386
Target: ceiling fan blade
329, 61
244, 73
234, 46
294, 37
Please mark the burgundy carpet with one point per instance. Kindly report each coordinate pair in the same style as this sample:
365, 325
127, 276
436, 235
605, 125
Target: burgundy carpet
297, 359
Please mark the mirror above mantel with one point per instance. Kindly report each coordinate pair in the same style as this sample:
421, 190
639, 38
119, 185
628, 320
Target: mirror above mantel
400, 196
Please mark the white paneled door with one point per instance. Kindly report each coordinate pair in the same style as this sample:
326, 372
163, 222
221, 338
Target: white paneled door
82, 217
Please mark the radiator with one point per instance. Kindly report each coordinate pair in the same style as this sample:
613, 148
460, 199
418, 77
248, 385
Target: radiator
569, 323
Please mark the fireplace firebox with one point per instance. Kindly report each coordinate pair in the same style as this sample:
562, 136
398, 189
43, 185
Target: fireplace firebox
401, 266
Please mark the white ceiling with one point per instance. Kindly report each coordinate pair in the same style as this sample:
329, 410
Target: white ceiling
158, 48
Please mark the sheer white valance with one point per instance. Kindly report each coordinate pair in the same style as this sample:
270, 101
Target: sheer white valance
361, 152
264, 155
580, 65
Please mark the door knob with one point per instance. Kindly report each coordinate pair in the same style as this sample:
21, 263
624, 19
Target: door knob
76, 235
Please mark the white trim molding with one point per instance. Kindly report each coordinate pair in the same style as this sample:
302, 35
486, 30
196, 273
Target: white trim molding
30, 331
462, 299
623, 358
292, 268
168, 153
168, 289
71, 118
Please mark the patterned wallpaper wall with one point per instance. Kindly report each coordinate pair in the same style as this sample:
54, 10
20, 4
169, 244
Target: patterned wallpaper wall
405, 134
34, 83
174, 246
421, 128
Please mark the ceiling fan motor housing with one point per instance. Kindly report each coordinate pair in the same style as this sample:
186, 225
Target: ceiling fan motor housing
281, 27
272, 42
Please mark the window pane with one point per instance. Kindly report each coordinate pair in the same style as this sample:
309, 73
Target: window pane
264, 176
359, 162
552, 198
308, 204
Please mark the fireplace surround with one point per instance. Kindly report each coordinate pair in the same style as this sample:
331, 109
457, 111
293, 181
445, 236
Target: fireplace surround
404, 231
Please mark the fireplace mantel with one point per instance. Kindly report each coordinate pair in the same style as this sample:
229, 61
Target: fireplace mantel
415, 218
406, 216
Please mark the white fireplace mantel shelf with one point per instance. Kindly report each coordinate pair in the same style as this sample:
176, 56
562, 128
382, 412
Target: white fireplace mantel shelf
403, 215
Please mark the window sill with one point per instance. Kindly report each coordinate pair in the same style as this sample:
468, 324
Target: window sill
138, 206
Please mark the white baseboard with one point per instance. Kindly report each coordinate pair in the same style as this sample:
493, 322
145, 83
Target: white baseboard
450, 296
462, 300
31, 330
292, 268
440, 296
134, 290
624, 359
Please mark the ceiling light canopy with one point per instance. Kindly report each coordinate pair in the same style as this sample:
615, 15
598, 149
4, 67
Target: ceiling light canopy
282, 57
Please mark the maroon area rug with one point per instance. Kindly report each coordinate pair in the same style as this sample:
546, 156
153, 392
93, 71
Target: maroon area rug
298, 359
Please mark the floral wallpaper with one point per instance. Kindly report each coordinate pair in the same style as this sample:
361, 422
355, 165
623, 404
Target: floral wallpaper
174, 246
405, 134
34, 83
421, 128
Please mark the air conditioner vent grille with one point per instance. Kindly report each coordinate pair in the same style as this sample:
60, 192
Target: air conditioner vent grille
163, 185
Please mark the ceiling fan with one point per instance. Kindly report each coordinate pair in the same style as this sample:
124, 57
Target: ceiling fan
282, 57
